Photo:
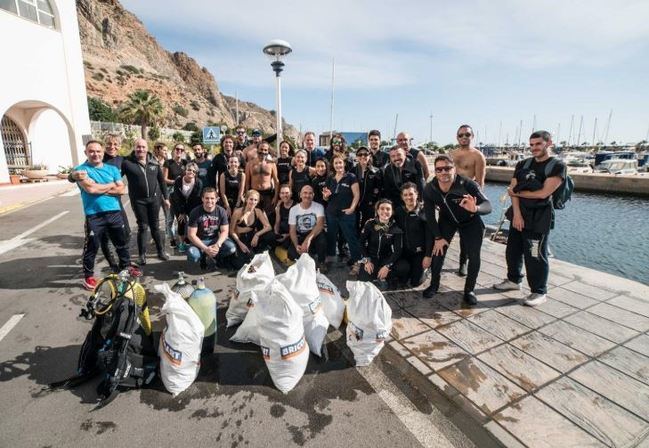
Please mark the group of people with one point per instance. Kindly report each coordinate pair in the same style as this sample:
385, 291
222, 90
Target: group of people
380, 211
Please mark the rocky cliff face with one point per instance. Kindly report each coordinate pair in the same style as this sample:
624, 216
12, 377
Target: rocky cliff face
120, 56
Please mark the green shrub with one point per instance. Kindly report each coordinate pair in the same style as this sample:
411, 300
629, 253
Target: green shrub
179, 110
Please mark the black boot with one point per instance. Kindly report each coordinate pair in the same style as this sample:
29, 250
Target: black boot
141, 246
470, 298
141, 260
429, 292
462, 270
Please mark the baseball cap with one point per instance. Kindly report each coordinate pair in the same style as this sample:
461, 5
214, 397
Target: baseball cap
362, 149
256, 133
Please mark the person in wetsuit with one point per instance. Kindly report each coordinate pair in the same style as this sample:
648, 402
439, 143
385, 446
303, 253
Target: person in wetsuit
282, 210
146, 190
460, 202
220, 161
411, 219
370, 183
319, 181
379, 158
381, 245
250, 229
400, 170
299, 175
232, 184
186, 196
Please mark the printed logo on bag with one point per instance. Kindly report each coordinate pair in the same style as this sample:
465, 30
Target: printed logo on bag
265, 352
250, 303
252, 269
315, 305
173, 356
325, 288
290, 351
354, 331
381, 336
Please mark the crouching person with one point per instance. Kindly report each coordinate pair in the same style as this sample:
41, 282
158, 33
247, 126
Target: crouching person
306, 225
207, 231
381, 247
411, 219
251, 229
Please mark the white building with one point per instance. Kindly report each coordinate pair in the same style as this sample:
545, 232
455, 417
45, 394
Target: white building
43, 101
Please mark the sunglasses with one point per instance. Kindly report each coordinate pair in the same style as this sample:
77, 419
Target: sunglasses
467, 134
179, 149
443, 169
336, 142
240, 132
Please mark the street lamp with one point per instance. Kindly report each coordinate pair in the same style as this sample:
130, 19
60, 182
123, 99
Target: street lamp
276, 50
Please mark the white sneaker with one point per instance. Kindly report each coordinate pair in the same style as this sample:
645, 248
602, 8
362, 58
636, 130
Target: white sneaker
535, 299
507, 285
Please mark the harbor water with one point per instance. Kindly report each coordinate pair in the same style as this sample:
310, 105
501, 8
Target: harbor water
604, 232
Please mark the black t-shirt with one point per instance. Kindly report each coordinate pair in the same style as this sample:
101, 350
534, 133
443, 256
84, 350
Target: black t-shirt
538, 214
208, 224
283, 168
341, 192
299, 180
175, 169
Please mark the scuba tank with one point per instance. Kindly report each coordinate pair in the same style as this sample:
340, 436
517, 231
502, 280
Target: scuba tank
203, 302
182, 287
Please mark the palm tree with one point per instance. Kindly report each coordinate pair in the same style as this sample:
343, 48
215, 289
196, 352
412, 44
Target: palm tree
143, 108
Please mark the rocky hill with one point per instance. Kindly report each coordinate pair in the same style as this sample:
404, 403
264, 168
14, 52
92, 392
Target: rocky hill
120, 56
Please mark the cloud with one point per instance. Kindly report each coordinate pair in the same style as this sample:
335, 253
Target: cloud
389, 43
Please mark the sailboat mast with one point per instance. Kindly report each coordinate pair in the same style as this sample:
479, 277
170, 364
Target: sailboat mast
608, 126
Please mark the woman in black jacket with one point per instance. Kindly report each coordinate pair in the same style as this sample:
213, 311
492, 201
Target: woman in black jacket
185, 197
411, 219
146, 190
381, 247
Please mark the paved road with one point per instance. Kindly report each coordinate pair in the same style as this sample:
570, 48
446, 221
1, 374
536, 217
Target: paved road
232, 403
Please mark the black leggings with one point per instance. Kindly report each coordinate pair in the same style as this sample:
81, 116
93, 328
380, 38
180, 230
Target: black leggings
95, 228
398, 271
471, 234
146, 213
105, 240
266, 242
410, 266
533, 249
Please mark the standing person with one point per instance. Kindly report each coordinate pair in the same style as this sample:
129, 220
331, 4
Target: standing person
261, 175
469, 162
532, 218
342, 195
232, 184
313, 154
460, 202
160, 154
242, 139
299, 175
284, 162
207, 230
379, 158
282, 210
172, 169
250, 152
220, 161
100, 184
381, 246
370, 185
186, 196
319, 181
147, 191
251, 230
403, 140
202, 162
339, 147
400, 170
411, 219
306, 222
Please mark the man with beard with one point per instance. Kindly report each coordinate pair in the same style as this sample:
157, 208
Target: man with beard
251, 150
261, 175
203, 163
469, 162
220, 161
400, 170
403, 140
379, 158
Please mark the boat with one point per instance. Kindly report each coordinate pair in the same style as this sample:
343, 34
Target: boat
618, 166
602, 156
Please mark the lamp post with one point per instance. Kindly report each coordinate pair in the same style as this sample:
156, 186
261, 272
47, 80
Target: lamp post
276, 50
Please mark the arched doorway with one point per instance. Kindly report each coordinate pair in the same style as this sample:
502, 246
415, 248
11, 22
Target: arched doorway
16, 148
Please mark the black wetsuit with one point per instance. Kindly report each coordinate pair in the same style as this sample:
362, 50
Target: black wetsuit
380, 159
394, 178
283, 224
381, 244
146, 189
370, 184
183, 205
454, 218
318, 183
416, 238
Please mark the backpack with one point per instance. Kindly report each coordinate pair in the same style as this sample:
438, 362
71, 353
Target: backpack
117, 347
564, 192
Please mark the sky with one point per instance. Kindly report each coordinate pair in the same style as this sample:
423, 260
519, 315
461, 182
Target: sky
489, 63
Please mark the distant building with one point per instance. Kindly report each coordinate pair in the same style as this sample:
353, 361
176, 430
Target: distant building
350, 138
43, 104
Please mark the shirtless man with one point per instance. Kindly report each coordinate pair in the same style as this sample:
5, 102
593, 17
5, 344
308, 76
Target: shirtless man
261, 175
251, 150
469, 162
403, 140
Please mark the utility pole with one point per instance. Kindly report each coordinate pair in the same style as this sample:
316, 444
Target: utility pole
333, 84
533, 123
236, 99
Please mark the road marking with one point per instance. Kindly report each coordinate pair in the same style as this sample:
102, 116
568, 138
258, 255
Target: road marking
19, 240
430, 430
71, 193
11, 323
